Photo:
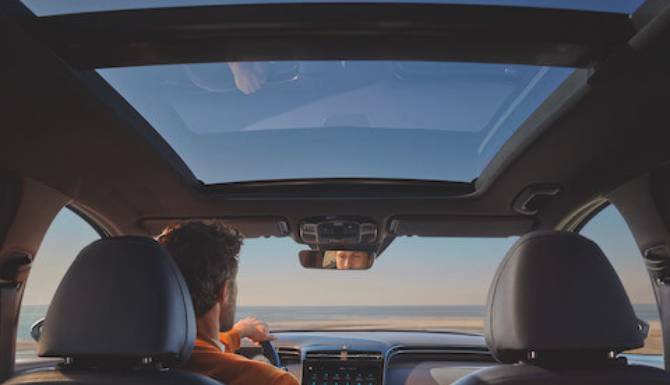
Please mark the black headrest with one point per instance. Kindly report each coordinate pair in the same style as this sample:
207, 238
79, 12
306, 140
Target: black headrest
557, 292
123, 298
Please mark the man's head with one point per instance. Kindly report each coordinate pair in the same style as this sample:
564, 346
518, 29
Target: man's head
352, 260
207, 256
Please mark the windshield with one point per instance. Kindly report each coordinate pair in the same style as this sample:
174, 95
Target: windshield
417, 283
336, 119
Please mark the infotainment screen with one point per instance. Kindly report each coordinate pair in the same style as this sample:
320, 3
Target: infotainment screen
343, 369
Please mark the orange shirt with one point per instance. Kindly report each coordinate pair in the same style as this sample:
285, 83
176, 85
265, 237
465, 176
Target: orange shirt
231, 368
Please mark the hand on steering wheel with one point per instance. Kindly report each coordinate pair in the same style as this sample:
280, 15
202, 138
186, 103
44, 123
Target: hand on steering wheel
253, 329
259, 332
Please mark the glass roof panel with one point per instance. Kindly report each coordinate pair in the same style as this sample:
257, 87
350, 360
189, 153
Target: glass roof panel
61, 7
235, 122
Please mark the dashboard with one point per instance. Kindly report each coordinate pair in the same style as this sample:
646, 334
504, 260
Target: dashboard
380, 357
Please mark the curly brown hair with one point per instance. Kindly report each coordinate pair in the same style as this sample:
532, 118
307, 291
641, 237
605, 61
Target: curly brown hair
207, 255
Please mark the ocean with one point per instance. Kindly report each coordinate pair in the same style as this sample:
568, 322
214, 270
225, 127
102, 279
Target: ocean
312, 315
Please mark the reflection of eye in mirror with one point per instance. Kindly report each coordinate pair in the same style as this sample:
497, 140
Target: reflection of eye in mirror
336, 259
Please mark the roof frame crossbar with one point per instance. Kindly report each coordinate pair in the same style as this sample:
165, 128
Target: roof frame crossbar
321, 31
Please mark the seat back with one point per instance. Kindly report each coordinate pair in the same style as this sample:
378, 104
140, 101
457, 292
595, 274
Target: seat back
529, 374
557, 314
64, 376
121, 315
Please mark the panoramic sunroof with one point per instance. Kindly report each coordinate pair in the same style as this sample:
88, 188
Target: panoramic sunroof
236, 122
60, 7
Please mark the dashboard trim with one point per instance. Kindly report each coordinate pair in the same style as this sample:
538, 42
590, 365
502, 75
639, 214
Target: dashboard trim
398, 350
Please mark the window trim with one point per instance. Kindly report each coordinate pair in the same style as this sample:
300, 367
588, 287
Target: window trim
30, 363
98, 228
578, 219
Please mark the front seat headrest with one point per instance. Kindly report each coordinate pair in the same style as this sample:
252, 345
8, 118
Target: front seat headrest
123, 298
556, 292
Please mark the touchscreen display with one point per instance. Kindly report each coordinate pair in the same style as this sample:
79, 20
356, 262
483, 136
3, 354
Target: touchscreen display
342, 373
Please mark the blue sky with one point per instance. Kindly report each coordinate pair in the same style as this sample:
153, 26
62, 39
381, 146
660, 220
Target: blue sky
413, 271
50, 7
346, 119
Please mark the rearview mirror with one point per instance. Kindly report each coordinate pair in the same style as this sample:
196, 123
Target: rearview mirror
336, 259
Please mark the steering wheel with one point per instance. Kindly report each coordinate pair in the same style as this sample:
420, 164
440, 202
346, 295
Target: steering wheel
271, 354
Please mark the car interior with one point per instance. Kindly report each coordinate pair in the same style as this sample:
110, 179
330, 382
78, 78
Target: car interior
342, 129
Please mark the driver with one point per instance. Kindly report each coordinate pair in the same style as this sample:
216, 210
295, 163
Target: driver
207, 256
352, 260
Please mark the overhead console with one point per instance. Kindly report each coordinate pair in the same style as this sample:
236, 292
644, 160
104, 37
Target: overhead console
340, 231
339, 243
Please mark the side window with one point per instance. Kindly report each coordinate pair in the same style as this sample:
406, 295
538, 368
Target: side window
66, 236
610, 231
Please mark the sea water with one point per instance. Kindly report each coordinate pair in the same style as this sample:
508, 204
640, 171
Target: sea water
340, 314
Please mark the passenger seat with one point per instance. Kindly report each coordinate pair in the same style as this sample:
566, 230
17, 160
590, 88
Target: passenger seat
558, 314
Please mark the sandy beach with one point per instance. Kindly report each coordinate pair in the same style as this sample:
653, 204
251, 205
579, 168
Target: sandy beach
653, 345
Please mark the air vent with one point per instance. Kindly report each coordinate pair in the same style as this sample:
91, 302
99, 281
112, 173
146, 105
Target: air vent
455, 353
289, 355
344, 355
446, 350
